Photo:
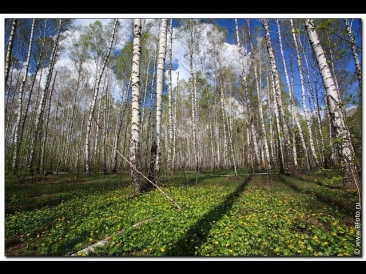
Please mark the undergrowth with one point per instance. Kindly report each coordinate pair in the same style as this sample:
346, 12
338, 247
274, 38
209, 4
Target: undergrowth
221, 215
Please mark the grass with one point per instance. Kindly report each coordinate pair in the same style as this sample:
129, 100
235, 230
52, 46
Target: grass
221, 215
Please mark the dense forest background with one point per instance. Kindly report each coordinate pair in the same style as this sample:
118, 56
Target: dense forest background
248, 93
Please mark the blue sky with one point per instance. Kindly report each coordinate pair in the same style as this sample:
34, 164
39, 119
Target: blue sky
180, 61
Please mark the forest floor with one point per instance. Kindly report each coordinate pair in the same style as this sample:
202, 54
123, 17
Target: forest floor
210, 214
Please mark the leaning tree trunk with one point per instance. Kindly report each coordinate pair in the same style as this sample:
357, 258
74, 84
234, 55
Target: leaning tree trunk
348, 165
91, 113
40, 111
10, 48
306, 115
18, 125
317, 112
276, 82
295, 119
355, 56
156, 129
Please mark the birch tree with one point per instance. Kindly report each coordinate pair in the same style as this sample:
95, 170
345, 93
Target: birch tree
170, 108
348, 164
260, 107
276, 82
355, 55
137, 183
119, 126
156, 127
18, 125
306, 115
41, 106
292, 107
96, 91
10, 48
43, 150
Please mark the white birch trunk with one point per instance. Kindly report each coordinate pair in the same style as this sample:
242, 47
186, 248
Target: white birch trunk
175, 123
43, 150
152, 113
306, 115
271, 137
260, 108
96, 91
10, 48
317, 113
118, 129
297, 122
355, 55
170, 108
40, 111
348, 165
193, 91
232, 145
135, 109
247, 98
222, 102
156, 128
18, 126
278, 128
290, 160
293, 113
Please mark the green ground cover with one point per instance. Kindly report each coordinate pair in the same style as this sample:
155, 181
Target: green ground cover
221, 215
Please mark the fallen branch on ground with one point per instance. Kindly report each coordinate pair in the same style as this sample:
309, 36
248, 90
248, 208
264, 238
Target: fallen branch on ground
170, 199
91, 249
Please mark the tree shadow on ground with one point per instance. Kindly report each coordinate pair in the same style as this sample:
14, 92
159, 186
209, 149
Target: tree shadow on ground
197, 234
341, 203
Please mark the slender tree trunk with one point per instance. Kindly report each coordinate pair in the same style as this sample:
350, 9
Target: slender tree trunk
276, 82
355, 56
295, 119
260, 108
9, 50
222, 101
96, 138
74, 106
137, 182
96, 91
317, 112
43, 151
232, 145
156, 129
18, 125
348, 165
278, 129
170, 108
271, 137
247, 98
297, 122
118, 130
175, 123
40, 111
152, 113
306, 115
193, 92
105, 132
